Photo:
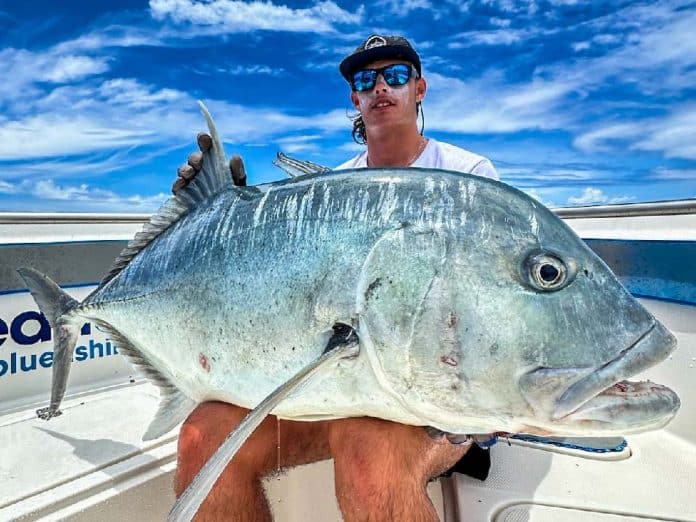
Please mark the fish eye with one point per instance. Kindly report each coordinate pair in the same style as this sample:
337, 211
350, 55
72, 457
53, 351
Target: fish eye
547, 272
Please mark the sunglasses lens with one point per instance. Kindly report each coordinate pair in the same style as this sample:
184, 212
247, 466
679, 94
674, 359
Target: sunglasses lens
397, 74
394, 75
364, 80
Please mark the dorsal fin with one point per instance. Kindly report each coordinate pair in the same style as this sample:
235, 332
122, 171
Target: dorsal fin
213, 178
296, 168
215, 175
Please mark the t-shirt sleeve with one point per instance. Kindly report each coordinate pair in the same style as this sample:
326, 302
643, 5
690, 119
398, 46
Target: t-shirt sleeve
345, 165
486, 169
356, 162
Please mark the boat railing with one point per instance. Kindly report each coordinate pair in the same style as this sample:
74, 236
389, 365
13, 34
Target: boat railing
657, 208
653, 208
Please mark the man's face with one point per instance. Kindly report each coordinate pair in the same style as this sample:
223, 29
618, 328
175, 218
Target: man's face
385, 106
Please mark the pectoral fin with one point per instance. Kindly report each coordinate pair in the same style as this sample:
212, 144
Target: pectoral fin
188, 503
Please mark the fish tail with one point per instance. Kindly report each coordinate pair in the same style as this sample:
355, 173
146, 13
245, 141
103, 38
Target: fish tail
56, 305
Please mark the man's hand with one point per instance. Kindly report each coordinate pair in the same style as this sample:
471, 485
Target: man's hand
194, 164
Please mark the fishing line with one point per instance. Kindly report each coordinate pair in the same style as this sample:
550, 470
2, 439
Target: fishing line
278, 438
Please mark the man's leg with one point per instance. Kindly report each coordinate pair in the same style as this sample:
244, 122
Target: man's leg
238, 494
383, 468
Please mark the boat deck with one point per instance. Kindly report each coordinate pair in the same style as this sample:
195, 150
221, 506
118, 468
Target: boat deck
90, 464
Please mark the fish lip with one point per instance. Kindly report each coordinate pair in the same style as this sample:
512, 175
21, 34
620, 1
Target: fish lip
653, 346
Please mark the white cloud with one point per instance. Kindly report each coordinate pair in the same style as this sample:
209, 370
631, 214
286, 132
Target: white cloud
674, 135
252, 69
119, 114
23, 72
83, 118
71, 68
600, 139
513, 6
403, 8
653, 48
59, 134
593, 196
232, 16
492, 106
19, 70
492, 37
589, 196
658, 56
40, 195
522, 169
49, 190
605, 39
500, 22
599, 39
300, 143
541, 198
671, 174
114, 37
94, 164
136, 95
7, 188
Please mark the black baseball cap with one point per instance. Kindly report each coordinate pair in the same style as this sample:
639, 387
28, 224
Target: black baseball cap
378, 47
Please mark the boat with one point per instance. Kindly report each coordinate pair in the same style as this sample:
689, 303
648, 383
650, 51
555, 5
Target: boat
91, 464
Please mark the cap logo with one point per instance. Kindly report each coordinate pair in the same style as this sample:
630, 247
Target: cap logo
375, 41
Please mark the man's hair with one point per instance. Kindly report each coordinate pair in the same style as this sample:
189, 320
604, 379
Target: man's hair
358, 132
360, 135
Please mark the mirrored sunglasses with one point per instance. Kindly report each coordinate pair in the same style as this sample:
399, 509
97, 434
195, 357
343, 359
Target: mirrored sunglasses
394, 75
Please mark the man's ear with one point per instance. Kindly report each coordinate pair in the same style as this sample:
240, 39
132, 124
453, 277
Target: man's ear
356, 101
421, 88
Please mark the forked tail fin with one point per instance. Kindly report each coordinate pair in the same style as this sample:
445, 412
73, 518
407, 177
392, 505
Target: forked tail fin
56, 305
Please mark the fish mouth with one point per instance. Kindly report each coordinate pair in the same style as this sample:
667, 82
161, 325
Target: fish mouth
605, 396
600, 399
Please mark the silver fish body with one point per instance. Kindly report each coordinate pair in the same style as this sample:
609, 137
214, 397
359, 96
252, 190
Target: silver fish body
477, 309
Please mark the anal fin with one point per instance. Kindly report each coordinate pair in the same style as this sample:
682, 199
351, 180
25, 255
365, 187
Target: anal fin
174, 405
174, 408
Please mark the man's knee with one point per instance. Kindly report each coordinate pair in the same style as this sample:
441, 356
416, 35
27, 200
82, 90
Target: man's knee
376, 451
374, 438
201, 435
382, 469
206, 428
365, 463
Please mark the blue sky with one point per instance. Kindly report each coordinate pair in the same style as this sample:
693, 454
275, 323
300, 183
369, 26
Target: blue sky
575, 102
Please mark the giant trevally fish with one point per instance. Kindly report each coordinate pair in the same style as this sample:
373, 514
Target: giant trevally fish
419, 296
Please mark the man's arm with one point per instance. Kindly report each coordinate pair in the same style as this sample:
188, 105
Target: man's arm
486, 169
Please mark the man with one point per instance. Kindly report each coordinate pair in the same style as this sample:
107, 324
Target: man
381, 468
387, 120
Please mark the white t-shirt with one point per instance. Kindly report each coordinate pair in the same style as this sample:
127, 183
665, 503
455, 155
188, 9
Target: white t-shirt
439, 155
